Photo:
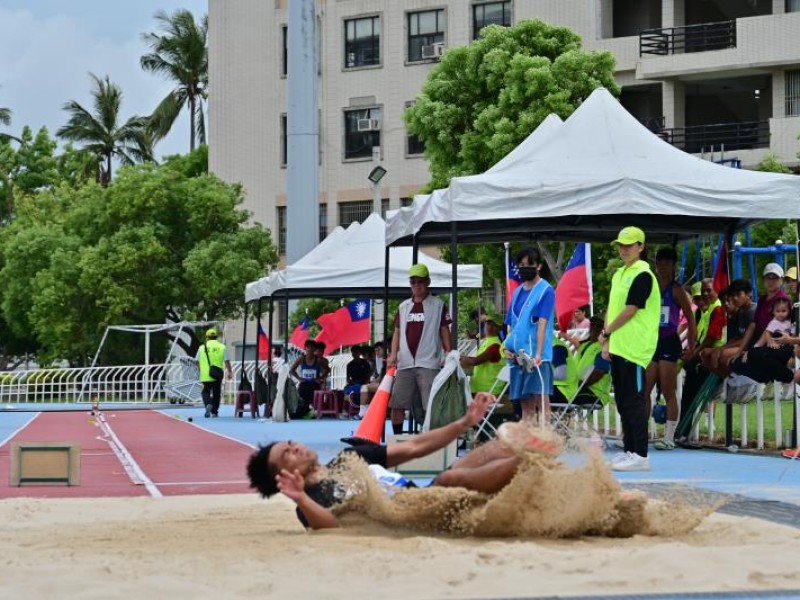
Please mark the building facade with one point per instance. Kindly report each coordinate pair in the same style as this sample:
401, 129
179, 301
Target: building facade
707, 75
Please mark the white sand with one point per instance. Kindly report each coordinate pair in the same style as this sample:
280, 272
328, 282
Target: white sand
240, 546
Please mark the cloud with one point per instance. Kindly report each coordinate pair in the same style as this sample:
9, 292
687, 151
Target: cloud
45, 62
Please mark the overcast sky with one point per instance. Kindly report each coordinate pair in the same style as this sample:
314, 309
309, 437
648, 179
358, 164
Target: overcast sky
48, 48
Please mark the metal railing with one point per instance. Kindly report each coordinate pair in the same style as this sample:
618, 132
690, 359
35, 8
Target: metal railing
732, 136
688, 38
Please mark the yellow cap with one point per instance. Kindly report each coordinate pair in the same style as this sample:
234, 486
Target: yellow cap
630, 235
211, 333
791, 273
697, 288
418, 270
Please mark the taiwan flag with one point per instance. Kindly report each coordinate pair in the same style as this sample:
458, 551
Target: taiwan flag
347, 326
300, 334
721, 279
575, 288
263, 344
513, 280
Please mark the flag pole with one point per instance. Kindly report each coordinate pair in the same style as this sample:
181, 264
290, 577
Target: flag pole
506, 247
589, 278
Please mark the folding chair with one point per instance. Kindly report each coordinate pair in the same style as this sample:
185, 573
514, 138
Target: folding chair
562, 418
498, 390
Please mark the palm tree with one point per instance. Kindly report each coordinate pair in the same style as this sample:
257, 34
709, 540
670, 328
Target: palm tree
181, 54
101, 133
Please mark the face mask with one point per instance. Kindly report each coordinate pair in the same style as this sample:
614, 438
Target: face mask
528, 273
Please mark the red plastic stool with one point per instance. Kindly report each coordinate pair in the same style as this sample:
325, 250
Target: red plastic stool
243, 396
326, 402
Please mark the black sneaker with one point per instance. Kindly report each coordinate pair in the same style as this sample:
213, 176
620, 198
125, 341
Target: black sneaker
208, 410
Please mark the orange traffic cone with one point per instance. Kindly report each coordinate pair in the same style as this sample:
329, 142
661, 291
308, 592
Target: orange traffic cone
373, 424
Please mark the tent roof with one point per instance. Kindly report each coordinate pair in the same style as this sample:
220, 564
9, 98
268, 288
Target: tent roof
352, 264
603, 170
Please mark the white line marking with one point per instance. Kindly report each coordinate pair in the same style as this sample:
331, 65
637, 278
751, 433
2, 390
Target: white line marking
222, 435
14, 433
201, 482
132, 468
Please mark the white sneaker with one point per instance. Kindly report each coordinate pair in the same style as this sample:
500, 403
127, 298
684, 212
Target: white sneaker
633, 463
618, 458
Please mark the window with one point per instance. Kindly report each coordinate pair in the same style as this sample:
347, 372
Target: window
284, 50
793, 93
354, 211
384, 207
323, 221
361, 132
281, 217
491, 13
284, 142
425, 28
362, 42
792, 6
414, 145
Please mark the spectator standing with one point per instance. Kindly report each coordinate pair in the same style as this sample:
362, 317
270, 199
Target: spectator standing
529, 343
421, 332
663, 369
629, 338
212, 354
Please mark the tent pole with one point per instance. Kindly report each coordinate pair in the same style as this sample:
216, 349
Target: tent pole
414, 250
255, 370
244, 342
386, 298
795, 416
286, 344
454, 284
728, 406
271, 330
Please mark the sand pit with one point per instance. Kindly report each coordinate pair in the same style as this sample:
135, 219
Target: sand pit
243, 547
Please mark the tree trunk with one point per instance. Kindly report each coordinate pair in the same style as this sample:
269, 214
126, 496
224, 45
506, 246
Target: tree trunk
192, 118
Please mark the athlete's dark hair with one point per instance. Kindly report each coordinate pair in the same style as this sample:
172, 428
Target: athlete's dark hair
260, 473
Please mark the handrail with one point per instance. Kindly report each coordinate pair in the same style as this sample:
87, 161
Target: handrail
732, 136
701, 37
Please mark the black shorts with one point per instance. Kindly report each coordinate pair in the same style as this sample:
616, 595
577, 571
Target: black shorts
669, 348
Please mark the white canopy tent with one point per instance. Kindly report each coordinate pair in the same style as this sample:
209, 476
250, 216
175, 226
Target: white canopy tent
602, 170
353, 263
408, 220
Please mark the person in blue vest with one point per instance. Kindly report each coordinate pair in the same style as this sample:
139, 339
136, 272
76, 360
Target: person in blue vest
529, 344
211, 358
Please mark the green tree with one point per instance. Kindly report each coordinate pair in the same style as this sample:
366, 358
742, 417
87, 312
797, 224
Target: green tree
180, 53
101, 132
482, 100
155, 245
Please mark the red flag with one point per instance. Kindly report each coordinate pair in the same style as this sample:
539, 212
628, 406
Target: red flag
300, 334
721, 279
575, 287
347, 326
263, 344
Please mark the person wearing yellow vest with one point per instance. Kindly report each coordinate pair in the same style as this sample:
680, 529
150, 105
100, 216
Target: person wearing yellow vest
212, 354
629, 340
710, 334
488, 360
597, 385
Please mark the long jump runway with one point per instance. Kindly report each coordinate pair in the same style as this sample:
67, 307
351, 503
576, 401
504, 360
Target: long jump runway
133, 453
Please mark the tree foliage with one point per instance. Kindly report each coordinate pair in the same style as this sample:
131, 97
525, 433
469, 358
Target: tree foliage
101, 131
482, 100
180, 53
156, 245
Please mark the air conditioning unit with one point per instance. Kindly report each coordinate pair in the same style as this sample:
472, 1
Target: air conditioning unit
368, 125
438, 50
429, 52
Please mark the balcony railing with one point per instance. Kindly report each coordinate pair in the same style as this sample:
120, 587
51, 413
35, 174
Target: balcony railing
731, 136
688, 38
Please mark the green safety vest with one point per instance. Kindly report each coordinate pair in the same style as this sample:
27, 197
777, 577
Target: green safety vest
587, 354
485, 374
569, 384
705, 321
636, 340
216, 352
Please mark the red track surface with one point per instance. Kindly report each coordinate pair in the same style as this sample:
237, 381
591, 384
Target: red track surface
177, 457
